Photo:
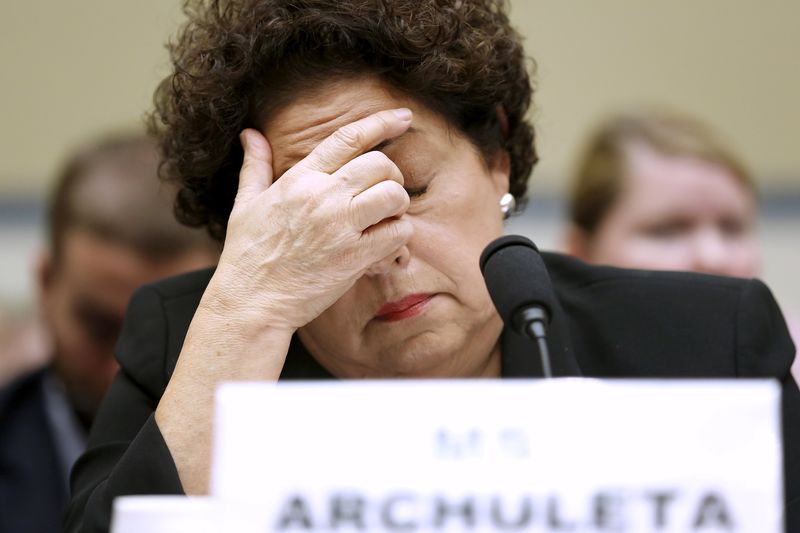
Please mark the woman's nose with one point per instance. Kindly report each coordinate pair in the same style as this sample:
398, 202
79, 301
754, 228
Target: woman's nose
398, 259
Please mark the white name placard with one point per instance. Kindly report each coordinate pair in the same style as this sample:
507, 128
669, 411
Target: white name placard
576, 455
181, 514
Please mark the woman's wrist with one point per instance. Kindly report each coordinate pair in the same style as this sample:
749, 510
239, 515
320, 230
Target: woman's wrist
228, 305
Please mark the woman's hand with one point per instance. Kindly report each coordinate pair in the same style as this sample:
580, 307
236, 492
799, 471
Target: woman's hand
292, 249
295, 246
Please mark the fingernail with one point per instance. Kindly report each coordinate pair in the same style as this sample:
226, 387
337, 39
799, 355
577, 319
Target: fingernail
403, 113
243, 140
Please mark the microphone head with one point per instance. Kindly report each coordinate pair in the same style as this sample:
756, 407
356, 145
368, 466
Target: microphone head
516, 278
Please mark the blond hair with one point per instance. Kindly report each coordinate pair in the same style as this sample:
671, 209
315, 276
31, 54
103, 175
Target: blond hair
601, 170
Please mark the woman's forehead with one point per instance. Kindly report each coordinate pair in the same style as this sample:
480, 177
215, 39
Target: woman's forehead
297, 128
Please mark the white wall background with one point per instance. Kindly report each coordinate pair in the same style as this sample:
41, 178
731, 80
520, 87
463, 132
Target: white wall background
73, 70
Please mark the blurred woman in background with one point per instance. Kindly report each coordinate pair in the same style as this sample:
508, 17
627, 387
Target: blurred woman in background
658, 190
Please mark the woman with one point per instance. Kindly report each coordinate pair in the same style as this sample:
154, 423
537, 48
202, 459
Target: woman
356, 157
659, 190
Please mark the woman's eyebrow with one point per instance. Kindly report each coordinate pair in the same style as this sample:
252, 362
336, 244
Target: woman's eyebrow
380, 147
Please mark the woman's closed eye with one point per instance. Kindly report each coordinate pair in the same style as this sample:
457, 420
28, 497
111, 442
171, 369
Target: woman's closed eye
415, 192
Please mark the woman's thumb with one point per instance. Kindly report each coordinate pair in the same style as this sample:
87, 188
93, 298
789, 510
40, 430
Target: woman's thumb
256, 173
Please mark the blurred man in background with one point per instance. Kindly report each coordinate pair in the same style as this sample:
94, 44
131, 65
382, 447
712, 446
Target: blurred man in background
110, 229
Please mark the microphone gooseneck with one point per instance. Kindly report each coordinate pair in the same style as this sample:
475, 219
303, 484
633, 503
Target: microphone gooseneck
520, 288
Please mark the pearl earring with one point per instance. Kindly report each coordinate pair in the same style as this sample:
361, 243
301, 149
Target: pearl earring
507, 205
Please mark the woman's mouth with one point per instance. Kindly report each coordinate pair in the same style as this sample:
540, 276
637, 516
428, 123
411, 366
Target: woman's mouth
407, 307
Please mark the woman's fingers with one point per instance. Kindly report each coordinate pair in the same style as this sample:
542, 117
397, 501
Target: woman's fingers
367, 170
255, 175
382, 239
383, 200
352, 140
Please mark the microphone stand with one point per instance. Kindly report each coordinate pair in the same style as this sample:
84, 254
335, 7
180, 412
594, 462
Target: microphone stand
534, 320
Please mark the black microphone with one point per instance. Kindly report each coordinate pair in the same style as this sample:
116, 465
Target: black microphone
520, 288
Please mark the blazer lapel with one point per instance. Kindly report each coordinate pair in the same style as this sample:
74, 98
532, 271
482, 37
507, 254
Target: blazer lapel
300, 365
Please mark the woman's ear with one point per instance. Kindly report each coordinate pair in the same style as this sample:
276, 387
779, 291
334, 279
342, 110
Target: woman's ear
501, 162
576, 243
500, 170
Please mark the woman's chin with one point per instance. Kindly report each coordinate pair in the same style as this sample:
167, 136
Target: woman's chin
430, 354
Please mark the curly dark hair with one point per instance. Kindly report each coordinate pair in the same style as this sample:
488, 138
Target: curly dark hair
235, 61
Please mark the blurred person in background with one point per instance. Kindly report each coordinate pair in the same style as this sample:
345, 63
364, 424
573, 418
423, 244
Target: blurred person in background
110, 229
658, 190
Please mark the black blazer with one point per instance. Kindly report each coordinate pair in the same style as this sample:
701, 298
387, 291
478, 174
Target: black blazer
609, 323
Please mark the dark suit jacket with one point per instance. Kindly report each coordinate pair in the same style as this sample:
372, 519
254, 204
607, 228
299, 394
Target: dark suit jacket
610, 323
32, 486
